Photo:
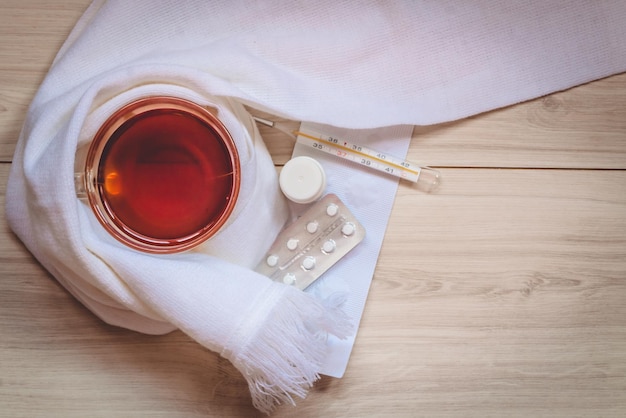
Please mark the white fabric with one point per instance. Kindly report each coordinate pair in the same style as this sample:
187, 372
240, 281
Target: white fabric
348, 64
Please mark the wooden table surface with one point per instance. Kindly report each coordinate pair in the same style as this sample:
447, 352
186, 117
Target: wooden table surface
502, 295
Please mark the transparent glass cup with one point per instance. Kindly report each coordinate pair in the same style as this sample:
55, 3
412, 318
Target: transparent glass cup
162, 174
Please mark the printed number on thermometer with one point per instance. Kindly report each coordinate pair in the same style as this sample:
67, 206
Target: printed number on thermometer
362, 155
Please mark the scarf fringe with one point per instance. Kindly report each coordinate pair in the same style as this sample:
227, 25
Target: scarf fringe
283, 360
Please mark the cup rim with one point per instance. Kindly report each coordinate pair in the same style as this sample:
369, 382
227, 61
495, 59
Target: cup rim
106, 216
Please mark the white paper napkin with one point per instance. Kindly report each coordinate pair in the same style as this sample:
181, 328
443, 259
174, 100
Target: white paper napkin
369, 195
346, 64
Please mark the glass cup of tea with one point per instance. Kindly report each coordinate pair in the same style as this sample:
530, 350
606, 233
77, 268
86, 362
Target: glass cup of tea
161, 175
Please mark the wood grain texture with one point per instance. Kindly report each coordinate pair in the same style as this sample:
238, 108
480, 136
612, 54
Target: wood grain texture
578, 128
31, 33
504, 294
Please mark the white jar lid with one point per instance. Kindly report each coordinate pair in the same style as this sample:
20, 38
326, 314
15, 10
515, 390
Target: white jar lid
302, 180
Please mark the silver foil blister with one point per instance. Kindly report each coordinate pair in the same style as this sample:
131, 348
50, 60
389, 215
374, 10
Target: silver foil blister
311, 245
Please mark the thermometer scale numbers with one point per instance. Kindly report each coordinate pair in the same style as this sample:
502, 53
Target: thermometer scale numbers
361, 155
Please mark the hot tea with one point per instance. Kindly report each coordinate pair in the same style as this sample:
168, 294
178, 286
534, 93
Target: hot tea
166, 177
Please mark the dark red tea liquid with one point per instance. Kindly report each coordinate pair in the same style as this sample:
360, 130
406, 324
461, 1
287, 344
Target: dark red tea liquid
165, 174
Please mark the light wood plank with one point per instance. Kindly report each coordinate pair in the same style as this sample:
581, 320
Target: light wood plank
583, 127
503, 293
31, 32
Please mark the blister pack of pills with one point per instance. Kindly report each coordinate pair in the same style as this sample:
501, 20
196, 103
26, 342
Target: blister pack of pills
307, 248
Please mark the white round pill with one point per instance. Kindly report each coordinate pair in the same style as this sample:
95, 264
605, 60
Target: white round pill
312, 227
302, 180
292, 244
308, 263
329, 246
272, 260
332, 209
348, 229
289, 278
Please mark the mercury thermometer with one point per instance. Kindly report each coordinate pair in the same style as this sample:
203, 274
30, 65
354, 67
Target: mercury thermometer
424, 178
